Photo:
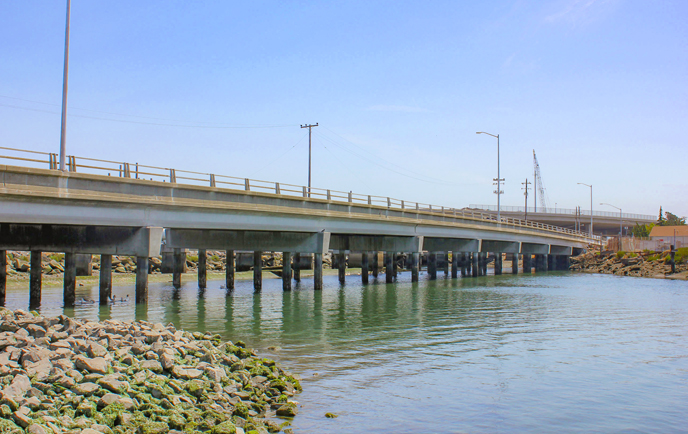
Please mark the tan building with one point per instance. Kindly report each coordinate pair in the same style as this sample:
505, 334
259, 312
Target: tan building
667, 235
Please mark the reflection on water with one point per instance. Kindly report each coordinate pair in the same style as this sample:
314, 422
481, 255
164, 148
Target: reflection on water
555, 352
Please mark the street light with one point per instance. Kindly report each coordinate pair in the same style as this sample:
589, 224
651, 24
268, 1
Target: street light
499, 179
620, 221
589, 185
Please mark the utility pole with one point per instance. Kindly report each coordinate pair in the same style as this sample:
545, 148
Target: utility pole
526, 195
63, 129
310, 130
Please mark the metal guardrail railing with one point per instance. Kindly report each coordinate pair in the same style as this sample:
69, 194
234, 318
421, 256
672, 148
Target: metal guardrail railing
564, 211
176, 176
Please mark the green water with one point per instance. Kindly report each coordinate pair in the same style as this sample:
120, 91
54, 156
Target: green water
557, 352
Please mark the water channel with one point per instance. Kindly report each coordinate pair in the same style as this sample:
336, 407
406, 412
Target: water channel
554, 352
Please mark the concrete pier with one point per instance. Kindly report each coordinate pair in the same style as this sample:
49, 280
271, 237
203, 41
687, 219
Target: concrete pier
36, 270
376, 264
257, 271
415, 260
464, 264
229, 270
3, 276
317, 271
364, 267
551, 266
394, 265
454, 265
142, 279
105, 277
202, 268
445, 264
514, 263
484, 258
179, 264
432, 265
475, 270
527, 263
498, 264
296, 269
341, 267
389, 267
84, 264
286, 271
69, 289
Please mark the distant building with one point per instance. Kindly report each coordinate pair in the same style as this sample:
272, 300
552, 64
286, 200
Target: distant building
666, 235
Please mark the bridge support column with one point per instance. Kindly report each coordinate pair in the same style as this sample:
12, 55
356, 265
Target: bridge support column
376, 264
498, 263
484, 264
297, 267
364, 268
286, 271
445, 264
474, 264
35, 279
395, 258
551, 266
257, 271
178, 264
105, 278
562, 262
229, 270
454, 265
69, 282
317, 271
341, 267
514, 263
389, 267
527, 263
202, 268
432, 265
465, 270
538, 263
3, 276
415, 260
142, 279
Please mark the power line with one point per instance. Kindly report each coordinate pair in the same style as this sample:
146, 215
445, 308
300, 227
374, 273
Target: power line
152, 123
280, 156
441, 182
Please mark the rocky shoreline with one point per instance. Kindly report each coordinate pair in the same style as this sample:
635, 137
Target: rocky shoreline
67, 376
643, 264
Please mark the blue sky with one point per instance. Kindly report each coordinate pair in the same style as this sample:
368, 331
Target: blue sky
597, 88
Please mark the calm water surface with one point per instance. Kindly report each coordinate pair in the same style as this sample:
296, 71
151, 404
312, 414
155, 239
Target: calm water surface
558, 352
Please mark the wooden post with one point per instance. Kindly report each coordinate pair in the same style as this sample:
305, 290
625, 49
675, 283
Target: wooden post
341, 266
317, 272
432, 265
105, 277
36, 279
446, 263
498, 263
257, 271
454, 265
142, 279
202, 268
464, 264
474, 265
179, 263
389, 267
3, 276
229, 270
514, 263
483, 269
415, 260
297, 267
364, 268
286, 271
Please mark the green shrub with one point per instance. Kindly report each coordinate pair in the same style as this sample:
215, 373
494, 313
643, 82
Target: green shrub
632, 255
652, 258
192, 258
620, 254
648, 251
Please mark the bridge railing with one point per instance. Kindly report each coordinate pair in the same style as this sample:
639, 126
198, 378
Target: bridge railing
565, 211
162, 174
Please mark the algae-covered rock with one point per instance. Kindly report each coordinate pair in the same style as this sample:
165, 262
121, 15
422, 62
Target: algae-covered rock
331, 415
287, 410
9, 427
226, 427
153, 428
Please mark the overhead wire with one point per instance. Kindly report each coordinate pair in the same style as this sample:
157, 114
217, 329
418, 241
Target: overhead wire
441, 182
194, 124
280, 156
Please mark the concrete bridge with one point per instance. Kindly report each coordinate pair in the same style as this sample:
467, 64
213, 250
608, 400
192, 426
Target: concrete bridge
106, 208
604, 222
